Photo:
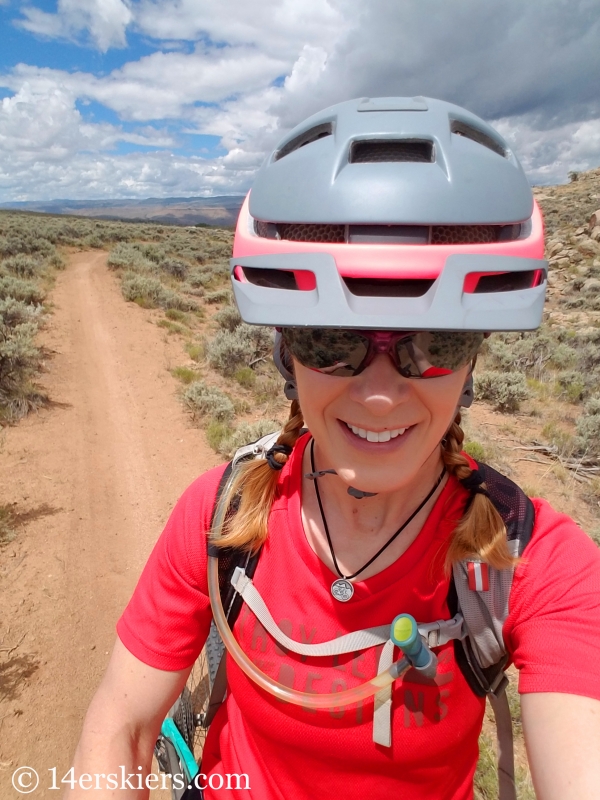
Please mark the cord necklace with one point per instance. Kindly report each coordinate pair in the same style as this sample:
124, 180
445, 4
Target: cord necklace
341, 588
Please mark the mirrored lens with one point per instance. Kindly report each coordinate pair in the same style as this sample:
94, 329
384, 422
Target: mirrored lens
331, 351
431, 354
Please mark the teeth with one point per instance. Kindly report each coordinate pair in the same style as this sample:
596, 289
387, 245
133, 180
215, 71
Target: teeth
376, 436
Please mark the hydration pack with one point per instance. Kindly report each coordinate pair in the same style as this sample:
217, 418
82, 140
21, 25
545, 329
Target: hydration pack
477, 600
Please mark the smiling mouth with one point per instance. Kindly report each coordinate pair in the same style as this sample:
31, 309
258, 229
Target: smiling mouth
376, 436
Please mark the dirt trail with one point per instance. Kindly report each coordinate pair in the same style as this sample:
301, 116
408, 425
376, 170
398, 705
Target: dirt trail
99, 472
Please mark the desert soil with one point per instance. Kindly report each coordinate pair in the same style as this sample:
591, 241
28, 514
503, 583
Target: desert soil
95, 477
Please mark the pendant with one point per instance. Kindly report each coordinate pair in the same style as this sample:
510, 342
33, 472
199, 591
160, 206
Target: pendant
342, 590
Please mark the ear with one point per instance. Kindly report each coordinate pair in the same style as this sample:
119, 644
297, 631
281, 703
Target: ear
283, 362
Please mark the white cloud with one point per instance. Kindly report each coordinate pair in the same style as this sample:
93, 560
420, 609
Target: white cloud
140, 175
105, 20
162, 85
549, 154
280, 27
47, 127
533, 67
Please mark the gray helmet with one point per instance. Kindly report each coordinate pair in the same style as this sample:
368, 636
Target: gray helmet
391, 213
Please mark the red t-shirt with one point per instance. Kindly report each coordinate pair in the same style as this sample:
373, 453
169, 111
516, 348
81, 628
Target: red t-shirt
291, 753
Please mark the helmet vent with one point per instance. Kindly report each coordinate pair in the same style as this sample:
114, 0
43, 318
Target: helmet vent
506, 282
466, 234
388, 234
364, 287
271, 278
312, 233
476, 135
418, 150
308, 137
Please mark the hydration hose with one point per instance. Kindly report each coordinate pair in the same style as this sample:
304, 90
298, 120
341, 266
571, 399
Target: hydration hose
404, 634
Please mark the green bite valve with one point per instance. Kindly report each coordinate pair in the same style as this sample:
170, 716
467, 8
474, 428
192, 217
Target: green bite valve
405, 635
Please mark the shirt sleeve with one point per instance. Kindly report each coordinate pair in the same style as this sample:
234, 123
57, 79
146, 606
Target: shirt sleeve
168, 617
553, 626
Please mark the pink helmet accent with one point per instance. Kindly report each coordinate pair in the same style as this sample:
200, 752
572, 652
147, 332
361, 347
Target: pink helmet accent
383, 261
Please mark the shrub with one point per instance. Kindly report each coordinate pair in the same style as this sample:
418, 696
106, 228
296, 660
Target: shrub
176, 315
172, 266
228, 318
260, 336
571, 386
205, 400
196, 350
587, 440
185, 374
200, 278
563, 356
16, 312
268, 387
220, 296
23, 266
500, 354
57, 261
18, 354
93, 241
150, 292
139, 287
475, 450
246, 377
127, 256
26, 291
505, 390
19, 361
197, 291
559, 438
228, 351
215, 433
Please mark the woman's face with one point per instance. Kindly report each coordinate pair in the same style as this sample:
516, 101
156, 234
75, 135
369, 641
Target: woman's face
407, 418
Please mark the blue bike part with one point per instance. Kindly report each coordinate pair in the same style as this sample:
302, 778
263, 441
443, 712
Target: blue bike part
171, 732
405, 635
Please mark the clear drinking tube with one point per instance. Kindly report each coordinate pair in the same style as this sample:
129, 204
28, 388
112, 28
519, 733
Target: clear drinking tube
284, 693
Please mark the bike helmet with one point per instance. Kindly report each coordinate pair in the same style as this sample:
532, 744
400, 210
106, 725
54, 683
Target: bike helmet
391, 214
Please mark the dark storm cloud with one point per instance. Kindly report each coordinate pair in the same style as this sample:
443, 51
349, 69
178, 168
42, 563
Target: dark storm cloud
500, 59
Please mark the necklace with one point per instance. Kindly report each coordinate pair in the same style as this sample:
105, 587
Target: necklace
342, 589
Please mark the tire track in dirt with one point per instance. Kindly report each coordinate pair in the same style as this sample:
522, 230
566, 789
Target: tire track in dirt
104, 467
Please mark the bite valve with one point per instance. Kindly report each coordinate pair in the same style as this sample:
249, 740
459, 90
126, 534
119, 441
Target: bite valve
405, 635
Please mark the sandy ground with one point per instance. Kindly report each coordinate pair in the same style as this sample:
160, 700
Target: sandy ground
98, 473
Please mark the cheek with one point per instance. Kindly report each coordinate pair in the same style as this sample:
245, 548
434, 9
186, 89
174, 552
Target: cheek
316, 392
442, 396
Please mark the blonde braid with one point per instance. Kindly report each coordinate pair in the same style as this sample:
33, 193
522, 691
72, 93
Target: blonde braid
481, 531
256, 486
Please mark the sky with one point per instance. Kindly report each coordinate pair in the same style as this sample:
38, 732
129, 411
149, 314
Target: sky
160, 98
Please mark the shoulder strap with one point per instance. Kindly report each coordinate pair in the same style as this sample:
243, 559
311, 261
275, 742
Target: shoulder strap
481, 594
229, 558
484, 603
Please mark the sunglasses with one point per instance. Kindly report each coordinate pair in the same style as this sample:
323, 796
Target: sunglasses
345, 353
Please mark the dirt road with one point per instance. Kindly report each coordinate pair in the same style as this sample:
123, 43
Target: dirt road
98, 473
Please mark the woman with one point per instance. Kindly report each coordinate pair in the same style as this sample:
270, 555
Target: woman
381, 239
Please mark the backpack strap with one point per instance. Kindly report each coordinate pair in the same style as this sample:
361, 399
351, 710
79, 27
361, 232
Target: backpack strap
481, 594
229, 560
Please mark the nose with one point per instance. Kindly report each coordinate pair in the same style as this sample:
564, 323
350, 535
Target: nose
380, 388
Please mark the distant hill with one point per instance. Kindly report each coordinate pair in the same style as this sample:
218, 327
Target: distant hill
174, 210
